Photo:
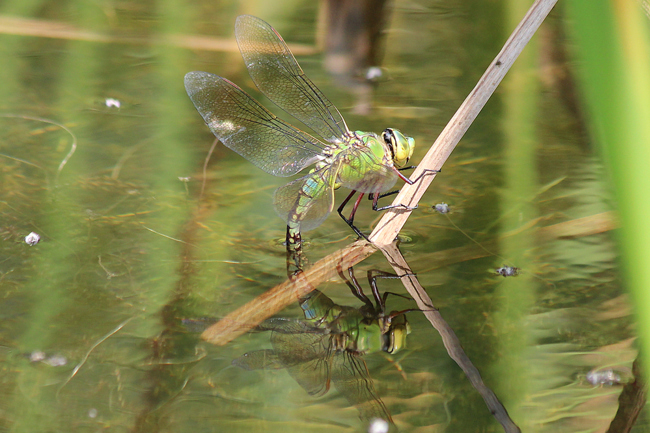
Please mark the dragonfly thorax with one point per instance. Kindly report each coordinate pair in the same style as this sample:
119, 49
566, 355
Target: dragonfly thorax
369, 141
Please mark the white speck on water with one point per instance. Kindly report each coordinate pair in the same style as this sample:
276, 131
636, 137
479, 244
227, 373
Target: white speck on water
112, 103
37, 356
373, 73
56, 361
507, 271
442, 207
603, 377
32, 239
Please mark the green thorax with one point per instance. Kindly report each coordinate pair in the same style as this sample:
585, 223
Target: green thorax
353, 329
357, 153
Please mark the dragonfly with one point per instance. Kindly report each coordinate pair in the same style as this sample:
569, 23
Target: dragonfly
365, 162
328, 347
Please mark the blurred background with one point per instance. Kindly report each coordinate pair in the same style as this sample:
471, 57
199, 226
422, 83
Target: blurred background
145, 231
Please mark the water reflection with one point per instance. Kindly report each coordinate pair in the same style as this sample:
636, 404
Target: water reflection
353, 45
317, 336
122, 237
329, 345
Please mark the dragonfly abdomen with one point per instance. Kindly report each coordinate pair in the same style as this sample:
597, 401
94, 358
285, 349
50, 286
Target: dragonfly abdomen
309, 209
297, 214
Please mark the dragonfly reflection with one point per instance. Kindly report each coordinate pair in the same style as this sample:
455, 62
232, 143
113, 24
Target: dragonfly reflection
327, 347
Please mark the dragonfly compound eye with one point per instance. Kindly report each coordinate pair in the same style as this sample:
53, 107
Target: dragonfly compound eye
389, 139
401, 146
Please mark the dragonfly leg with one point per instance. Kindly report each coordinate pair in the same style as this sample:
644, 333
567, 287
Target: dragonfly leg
355, 207
377, 196
390, 206
408, 310
382, 195
372, 279
350, 221
355, 287
373, 274
424, 173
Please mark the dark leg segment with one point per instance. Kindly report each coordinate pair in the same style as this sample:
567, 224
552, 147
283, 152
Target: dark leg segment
354, 210
407, 180
355, 287
375, 197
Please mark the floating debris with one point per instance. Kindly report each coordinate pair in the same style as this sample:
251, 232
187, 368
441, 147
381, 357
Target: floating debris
441, 207
507, 271
32, 239
603, 377
56, 361
51, 360
374, 73
113, 103
37, 356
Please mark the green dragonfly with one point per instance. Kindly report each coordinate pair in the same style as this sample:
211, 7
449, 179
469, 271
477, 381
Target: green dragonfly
328, 347
361, 161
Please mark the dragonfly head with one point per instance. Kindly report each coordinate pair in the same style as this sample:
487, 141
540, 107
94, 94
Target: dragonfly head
401, 147
395, 338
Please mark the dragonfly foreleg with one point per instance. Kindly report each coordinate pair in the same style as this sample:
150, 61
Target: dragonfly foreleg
390, 206
377, 196
373, 274
350, 221
355, 287
424, 173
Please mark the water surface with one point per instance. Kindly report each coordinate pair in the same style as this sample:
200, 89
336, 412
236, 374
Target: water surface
136, 235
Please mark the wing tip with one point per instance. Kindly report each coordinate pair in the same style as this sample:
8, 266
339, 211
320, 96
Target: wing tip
192, 78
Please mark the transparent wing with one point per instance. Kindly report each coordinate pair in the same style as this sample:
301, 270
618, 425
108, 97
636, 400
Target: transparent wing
277, 74
364, 172
311, 197
248, 128
305, 355
257, 360
351, 378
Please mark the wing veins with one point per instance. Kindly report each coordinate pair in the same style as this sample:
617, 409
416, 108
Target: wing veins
281, 126
273, 68
313, 94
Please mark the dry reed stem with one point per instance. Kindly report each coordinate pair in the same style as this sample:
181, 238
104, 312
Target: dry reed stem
394, 219
449, 338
